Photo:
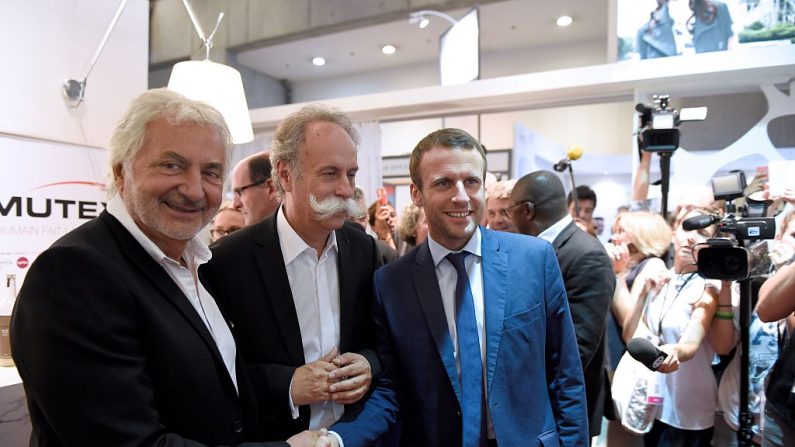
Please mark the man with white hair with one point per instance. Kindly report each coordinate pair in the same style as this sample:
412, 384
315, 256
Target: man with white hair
116, 340
298, 285
498, 198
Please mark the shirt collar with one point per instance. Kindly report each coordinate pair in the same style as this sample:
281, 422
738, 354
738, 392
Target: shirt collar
551, 233
291, 243
439, 253
195, 250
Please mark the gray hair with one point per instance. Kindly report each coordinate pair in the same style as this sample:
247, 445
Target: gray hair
291, 134
129, 135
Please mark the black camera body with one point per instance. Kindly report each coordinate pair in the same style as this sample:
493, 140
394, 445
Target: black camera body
660, 121
723, 258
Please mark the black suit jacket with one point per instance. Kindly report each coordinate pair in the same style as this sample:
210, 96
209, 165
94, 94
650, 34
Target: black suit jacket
247, 271
589, 280
111, 352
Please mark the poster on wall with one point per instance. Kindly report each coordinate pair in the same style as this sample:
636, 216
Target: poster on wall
46, 190
650, 29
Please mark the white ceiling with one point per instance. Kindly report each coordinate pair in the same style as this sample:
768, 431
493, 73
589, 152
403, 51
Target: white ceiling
504, 25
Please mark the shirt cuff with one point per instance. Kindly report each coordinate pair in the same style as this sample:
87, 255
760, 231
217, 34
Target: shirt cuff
339, 439
293, 409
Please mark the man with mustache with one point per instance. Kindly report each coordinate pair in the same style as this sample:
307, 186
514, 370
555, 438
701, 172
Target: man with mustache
117, 342
298, 285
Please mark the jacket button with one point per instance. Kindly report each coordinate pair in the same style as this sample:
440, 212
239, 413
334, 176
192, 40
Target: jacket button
237, 427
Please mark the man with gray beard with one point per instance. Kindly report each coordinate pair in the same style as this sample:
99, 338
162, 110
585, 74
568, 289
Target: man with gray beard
298, 285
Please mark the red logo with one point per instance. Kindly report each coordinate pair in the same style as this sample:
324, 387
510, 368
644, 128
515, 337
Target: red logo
22, 262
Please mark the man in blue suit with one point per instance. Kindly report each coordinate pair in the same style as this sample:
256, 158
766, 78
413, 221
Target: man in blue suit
473, 327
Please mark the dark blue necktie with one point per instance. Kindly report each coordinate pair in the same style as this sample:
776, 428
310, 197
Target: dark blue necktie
473, 408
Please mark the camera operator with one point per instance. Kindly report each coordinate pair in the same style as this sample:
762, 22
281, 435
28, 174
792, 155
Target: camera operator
724, 335
777, 301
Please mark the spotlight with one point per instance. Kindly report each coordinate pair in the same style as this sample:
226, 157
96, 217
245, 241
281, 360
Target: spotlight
318, 61
388, 49
564, 21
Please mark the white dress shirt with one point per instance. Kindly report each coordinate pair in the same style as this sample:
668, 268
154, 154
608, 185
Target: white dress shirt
447, 276
187, 278
551, 233
314, 283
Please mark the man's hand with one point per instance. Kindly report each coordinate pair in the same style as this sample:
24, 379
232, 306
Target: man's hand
311, 381
352, 378
307, 438
327, 441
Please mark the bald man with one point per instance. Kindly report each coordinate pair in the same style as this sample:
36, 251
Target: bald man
538, 208
255, 193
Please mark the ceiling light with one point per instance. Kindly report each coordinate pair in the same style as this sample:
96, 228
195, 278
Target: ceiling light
318, 61
219, 85
388, 49
424, 23
563, 21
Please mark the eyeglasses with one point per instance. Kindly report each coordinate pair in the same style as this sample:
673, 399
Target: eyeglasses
520, 203
239, 191
221, 232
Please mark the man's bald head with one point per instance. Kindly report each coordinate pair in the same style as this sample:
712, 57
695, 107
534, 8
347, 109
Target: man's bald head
539, 200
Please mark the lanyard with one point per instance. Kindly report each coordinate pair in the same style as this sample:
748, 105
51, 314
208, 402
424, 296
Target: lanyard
663, 311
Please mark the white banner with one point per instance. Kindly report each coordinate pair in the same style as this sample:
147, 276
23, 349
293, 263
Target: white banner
46, 190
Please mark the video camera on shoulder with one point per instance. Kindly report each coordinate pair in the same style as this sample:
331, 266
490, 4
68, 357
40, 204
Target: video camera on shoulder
726, 258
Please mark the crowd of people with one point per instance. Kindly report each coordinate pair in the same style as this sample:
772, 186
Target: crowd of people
475, 316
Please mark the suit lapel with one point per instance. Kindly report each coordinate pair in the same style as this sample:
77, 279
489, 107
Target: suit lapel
427, 286
495, 287
159, 278
270, 263
564, 236
345, 272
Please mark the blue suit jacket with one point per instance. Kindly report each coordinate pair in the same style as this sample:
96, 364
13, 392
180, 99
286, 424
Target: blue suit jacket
535, 385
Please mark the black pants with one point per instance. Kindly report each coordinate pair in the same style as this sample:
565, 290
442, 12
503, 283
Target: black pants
663, 435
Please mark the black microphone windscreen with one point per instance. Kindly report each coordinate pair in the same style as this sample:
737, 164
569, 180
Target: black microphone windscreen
641, 108
645, 352
699, 222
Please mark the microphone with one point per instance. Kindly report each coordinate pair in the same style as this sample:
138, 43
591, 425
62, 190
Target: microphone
645, 352
574, 153
700, 221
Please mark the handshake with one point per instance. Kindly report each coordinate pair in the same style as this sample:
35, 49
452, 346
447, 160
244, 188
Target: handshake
313, 438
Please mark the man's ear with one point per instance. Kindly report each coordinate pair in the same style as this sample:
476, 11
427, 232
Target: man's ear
118, 177
285, 175
416, 194
271, 188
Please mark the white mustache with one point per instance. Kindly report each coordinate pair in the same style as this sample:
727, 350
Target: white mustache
333, 205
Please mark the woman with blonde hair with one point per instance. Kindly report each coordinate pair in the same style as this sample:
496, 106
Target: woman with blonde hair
412, 229
674, 309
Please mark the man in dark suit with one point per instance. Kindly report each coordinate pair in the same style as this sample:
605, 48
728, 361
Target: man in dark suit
298, 285
470, 304
116, 341
587, 273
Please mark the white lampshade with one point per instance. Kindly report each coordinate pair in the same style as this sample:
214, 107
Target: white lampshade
220, 86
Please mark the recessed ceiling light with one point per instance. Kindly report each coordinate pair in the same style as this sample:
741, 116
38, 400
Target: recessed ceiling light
424, 23
564, 21
319, 61
388, 49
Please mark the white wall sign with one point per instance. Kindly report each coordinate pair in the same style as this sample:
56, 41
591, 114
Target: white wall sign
41, 200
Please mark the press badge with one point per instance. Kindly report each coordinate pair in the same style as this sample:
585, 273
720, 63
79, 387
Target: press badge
654, 389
